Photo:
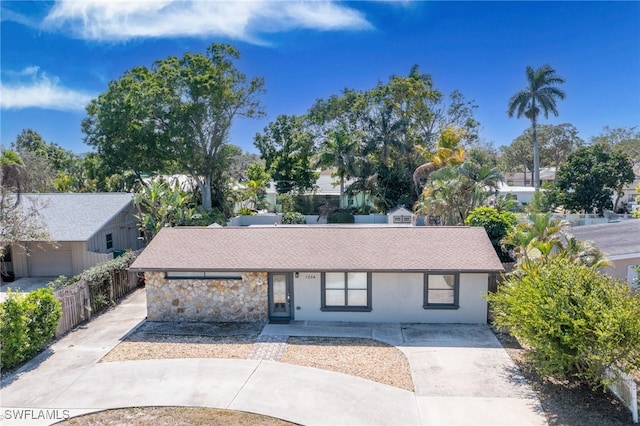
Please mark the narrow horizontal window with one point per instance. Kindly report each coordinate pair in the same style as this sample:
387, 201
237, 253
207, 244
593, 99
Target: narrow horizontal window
208, 275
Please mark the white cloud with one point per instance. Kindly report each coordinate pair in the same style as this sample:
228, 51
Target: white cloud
31, 88
119, 20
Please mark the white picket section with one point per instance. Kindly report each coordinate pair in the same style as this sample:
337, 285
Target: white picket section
625, 388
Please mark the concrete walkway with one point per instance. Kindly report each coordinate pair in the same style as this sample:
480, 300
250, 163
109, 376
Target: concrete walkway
461, 374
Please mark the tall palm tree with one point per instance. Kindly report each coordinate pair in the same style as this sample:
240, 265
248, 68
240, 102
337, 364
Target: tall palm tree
539, 96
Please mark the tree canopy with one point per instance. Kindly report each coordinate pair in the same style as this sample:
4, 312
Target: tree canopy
175, 117
589, 178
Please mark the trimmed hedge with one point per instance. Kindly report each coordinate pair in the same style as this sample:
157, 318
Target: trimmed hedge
341, 216
27, 324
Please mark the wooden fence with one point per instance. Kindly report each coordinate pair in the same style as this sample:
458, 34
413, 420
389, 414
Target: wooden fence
80, 300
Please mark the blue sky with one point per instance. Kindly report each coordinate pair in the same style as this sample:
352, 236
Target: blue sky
57, 55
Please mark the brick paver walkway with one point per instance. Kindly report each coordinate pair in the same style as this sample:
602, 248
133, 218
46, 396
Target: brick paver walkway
270, 348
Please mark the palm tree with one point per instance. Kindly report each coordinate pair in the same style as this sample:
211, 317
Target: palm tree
339, 151
453, 191
448, 152
540, 95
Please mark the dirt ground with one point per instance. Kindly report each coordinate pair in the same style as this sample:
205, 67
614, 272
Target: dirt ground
173, 416
568, 403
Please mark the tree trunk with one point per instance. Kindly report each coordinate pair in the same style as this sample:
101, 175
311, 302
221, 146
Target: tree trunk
536, 153
205, 188
341, 192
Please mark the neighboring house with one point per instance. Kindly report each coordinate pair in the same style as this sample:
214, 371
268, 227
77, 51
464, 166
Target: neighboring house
547, 174
87, 229
522, 194
319, 273
621, 243
328, 187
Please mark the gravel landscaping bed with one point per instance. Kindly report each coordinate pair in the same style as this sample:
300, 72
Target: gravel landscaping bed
365, 358
566, 402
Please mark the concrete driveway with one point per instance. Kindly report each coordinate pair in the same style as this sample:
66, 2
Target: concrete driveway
24, 285
460, 372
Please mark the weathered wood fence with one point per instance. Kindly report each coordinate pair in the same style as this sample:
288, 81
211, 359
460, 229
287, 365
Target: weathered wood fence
82, 300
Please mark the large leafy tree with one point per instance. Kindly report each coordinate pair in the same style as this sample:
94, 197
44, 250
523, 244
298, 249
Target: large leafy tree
44, 162
560, 141
588, 179
622, 139
540, 95
287, 147
175, 116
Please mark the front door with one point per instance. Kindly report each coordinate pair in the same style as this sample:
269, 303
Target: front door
280, 297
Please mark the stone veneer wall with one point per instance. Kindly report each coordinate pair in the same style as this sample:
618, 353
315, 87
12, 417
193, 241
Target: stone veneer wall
207, 300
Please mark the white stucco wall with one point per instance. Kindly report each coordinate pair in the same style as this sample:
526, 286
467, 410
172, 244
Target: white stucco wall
396, 297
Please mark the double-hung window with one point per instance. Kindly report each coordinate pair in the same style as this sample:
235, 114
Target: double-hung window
441, 290
346, 291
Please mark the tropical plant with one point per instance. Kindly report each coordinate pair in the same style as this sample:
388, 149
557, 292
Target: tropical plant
452, 192
161, 204
535, 238
448, 152
540, 95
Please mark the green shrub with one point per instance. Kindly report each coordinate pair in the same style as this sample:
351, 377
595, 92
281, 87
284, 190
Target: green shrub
27, 324
496, 223
44, 312
245, 211
102, 272
341, 216
62, 281
576, 321
293, 218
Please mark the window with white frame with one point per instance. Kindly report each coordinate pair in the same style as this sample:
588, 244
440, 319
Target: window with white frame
346, 291
441, 290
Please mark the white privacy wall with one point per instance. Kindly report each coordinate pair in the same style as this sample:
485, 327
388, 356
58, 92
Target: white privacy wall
396, 297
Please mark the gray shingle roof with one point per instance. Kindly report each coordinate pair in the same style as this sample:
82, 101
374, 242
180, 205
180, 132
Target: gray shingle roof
615, 239
318, 248
76, 217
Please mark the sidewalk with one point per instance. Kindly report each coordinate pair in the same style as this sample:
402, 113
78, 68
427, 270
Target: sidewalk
451, 382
